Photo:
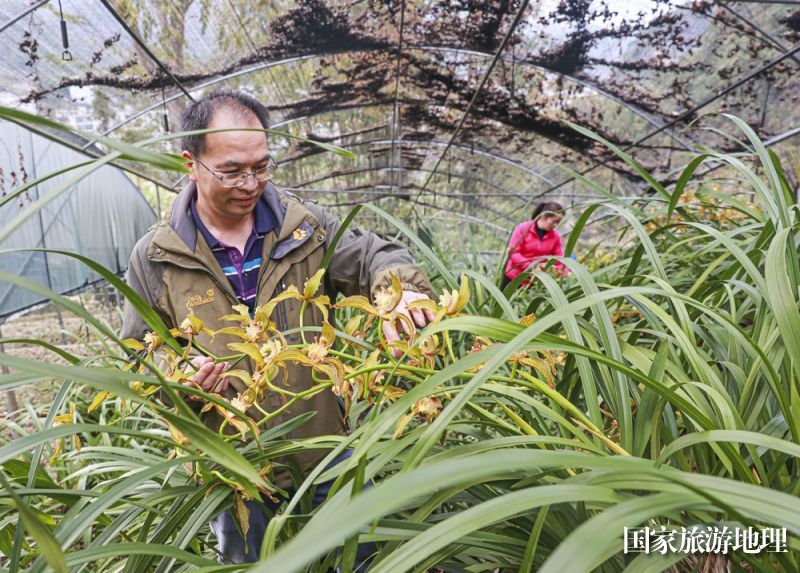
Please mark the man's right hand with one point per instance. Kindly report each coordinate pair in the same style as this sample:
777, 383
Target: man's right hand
207, 376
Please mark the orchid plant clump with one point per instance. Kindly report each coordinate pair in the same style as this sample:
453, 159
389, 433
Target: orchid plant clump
656, 388
345, 362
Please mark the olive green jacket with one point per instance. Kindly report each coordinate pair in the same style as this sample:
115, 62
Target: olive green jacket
172, 265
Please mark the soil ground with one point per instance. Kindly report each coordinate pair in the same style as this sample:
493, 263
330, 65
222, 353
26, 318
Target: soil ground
65, 330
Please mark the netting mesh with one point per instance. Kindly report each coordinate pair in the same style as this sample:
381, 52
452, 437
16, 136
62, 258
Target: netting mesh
396, 82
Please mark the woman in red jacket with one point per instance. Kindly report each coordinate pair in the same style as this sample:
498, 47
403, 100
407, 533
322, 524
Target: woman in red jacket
533, 240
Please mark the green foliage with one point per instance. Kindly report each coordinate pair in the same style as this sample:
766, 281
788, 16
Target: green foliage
659, 387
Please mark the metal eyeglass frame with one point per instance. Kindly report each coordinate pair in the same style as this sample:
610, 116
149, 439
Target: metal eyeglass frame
268, 170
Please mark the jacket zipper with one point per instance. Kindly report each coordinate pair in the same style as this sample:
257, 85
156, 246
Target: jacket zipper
282, 316
283, 308
279, 318
262, 278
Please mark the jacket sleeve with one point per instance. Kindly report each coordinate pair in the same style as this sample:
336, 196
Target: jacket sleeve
143, 278
559, 252
559, 247
516, 258
516, 237
362, 261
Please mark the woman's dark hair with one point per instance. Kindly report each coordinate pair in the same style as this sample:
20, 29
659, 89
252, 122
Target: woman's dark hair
198, 114
546, 206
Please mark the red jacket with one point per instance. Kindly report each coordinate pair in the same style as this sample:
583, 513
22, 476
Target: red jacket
525, 247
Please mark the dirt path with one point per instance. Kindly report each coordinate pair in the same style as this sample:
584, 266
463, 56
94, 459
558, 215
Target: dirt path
69, 332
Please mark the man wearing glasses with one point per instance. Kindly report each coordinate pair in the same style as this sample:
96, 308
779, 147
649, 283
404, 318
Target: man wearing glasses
233, 237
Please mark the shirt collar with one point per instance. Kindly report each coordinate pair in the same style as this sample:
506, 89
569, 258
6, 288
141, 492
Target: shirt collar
264, 222
264, 218
535, 228
211, 240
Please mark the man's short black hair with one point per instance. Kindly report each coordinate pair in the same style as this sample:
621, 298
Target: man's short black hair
198, 114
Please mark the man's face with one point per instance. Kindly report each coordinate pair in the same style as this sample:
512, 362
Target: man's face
229, 152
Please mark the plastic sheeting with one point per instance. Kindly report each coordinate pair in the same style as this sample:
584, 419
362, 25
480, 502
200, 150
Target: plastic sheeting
100, 217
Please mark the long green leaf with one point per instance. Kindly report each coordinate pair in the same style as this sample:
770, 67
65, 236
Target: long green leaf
48, 546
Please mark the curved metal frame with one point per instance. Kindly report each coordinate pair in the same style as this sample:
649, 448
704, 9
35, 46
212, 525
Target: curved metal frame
470, 148
21, 15
769, 37
411, 48
486, 75
660, 126
358, 106
505, 191
783, 136
379, 196
141, 43
691, 112
412, 142
436, 207
438, 143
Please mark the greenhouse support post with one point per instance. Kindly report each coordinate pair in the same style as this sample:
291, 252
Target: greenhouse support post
11, 397
109, 303
43, 234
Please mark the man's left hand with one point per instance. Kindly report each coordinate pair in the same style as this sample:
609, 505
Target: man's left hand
416, 316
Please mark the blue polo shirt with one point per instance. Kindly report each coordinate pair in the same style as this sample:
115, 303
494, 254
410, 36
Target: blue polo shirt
241, 268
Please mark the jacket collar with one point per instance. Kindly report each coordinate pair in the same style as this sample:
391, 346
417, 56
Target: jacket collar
532, 229
298, 226
263, 222
295, 223
182, 222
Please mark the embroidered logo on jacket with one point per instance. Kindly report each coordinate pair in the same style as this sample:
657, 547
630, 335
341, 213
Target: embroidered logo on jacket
299, 234
197, 300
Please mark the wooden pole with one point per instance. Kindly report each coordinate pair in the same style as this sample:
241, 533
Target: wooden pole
11, 397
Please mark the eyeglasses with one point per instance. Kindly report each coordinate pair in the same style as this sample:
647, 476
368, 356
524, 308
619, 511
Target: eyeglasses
239, 178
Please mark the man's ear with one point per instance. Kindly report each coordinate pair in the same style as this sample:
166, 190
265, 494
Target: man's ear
189, 164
